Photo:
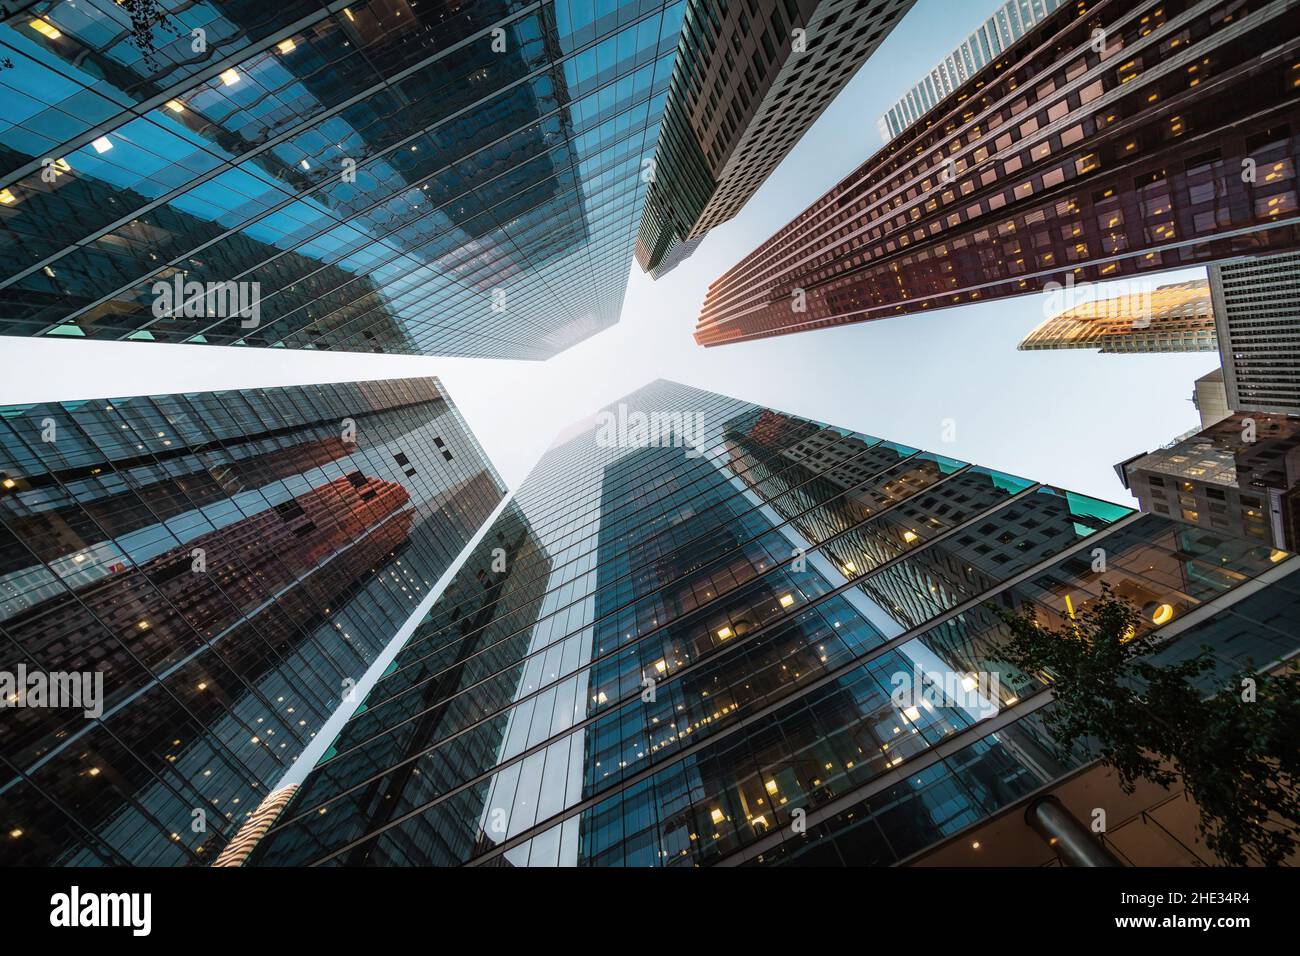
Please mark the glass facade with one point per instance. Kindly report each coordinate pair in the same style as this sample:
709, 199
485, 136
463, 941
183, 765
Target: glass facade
423, 178
688, 627
224, 563
1168, 318
1113, 139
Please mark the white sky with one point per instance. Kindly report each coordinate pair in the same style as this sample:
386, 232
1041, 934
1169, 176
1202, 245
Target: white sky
1063, 417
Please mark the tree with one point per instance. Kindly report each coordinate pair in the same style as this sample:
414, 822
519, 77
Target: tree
1235, 750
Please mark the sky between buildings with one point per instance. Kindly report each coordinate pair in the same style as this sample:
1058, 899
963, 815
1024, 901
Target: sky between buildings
1063, 417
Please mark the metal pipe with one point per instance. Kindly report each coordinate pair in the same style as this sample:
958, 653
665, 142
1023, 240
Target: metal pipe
1073, 842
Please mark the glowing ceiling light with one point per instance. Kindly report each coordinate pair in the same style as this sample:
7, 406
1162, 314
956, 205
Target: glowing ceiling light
230, 77
1162, 614
7, 197
787, 600
176, 106
661, 665
912, 713
771, 787
716, 815
909, 536
286, 46
724, 633
45, 29
102, 145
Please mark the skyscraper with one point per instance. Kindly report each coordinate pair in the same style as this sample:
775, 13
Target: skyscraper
224, 564
1211, 398
1240, 475
382, 176
700, 620
995, 35
1169, 318
1114, 138
751, 78
1257, 314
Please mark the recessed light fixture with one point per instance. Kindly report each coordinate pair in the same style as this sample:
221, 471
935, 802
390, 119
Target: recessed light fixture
230, 77
102, 145
45, 29
787, 600
286, 46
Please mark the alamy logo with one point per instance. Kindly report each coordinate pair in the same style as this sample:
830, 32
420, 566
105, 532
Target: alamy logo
975, 693
223, 300
75, 908
636, 429
79, 690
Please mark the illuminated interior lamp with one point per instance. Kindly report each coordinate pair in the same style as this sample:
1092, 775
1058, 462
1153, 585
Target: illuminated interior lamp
787, 600
286, 46
1161, 613
45, 29
724, 633
909, 536
230, 77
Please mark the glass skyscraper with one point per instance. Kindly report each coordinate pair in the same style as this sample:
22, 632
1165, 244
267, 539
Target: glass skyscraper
226, 563
379, 176
1113, 139
681, 642
1170, 318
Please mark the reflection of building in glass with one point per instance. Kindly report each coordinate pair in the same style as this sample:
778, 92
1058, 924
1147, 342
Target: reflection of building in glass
395, 176
1257, 311
749, 82
1054, 163
450, 685
698, 642
1007, 25
225, 562
1240, 475
1168, 318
